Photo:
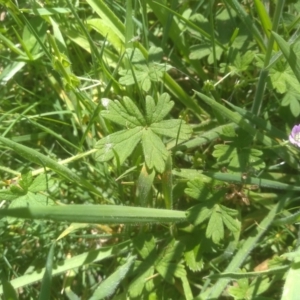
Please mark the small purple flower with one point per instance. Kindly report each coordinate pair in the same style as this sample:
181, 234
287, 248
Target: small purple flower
295, 136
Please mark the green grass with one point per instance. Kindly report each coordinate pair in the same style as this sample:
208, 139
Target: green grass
144, 150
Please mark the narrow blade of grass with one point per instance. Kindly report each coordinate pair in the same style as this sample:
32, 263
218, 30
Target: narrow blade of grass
71, 263
264, 17
252, 180
45, 292
105, 214
110, 284
42, 160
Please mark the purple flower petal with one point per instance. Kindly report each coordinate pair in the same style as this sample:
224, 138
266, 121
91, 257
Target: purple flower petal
294, 137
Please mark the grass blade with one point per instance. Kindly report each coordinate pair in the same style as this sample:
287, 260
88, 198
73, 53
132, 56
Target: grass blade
41, 159
107, 214
45, 292
253, 181
110, 284
72, 263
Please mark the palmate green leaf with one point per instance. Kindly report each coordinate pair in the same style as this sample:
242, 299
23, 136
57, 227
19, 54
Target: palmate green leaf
171, 252
242, 63
145, 129
26, 181
121, 143
193, 260
155, 152
200, 51
224, 152
156, 112
37, 184
245, 291
169, 270
41, 183
172, 128
144, 244
128, 79
156, 71
138, 283
25, 193
145, 70
155, 54
143, 74
231, 223
168, 263
136, 57
218, 215
29, 199
124, 113
282, 79
199, 213
17, 190
199, 244
239, 159
215, 227
244, 159
243, 252
8, 195
198, 190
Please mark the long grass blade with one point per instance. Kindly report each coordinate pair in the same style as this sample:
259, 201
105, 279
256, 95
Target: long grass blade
105, 214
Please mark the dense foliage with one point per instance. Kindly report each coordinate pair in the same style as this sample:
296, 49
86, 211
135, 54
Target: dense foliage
145, 149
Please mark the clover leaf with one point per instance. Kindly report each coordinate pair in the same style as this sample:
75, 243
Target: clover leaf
141, 128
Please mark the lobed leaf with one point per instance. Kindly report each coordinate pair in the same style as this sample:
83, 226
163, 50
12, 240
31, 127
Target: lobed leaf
124, 113
199, 213
176, 129
121, 143
215, 227
198, 189
163, 107
155, 152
